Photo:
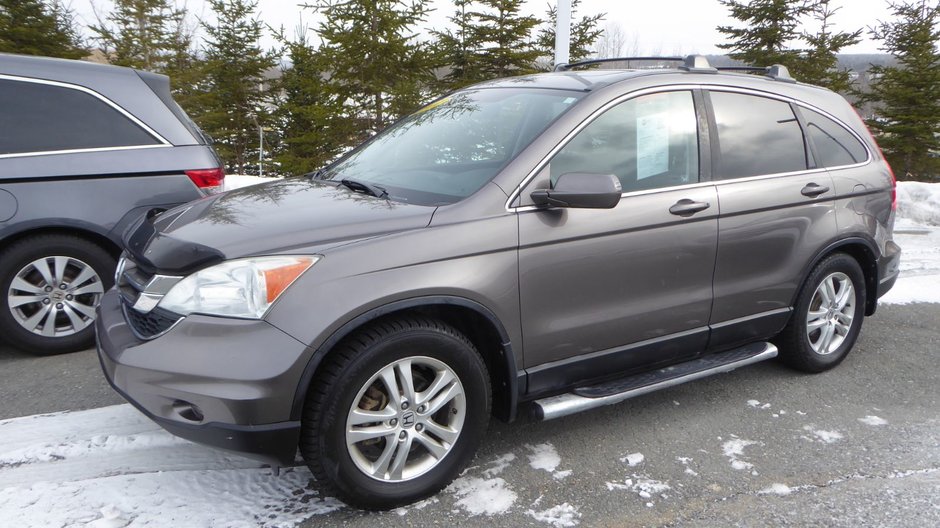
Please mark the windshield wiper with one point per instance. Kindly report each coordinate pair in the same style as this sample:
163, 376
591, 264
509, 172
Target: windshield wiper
363, 187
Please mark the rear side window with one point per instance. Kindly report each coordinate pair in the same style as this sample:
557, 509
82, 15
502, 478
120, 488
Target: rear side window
41, 118
756, 136
835, 146
649, 142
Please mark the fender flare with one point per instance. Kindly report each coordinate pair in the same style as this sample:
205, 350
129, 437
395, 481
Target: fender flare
871, 301
514, 377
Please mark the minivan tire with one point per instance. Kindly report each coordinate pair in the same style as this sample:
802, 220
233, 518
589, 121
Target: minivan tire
801, 343
353, 372
81, 253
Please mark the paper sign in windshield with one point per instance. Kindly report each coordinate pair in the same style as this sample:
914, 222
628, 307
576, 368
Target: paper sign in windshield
652, 144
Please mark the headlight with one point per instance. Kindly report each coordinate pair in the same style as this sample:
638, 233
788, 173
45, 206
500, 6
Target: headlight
236, 288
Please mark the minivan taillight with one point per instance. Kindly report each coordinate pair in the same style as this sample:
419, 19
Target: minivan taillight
209, 181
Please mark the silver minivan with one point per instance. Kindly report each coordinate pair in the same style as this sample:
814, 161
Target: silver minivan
543, 245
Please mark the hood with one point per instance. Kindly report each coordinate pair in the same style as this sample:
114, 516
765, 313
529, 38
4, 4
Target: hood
271, 218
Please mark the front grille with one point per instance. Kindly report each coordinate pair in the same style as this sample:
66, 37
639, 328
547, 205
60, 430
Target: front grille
149, 325
131, 282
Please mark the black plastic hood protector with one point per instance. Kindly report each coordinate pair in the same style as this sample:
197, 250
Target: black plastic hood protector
272, 218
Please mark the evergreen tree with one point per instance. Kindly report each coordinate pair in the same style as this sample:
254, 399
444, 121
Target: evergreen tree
140, 33
310, 117
584, 33
493, 39
819, 64
376, 61
37, 27
907, 120
235, 104
769, 28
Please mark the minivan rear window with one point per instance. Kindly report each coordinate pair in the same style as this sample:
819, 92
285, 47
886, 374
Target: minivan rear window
36, 117
756, 136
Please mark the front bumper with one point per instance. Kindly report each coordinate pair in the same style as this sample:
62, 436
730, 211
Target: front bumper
227, 383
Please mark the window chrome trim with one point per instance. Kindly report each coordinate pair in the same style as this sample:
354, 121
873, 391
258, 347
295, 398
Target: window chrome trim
517, 192
163, 141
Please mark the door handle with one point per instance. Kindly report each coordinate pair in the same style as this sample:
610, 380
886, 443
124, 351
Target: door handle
813, 190
686, 207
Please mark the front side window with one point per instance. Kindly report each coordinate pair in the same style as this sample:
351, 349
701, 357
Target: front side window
452, 147
38, 117
835, 146
756, 136
648, 142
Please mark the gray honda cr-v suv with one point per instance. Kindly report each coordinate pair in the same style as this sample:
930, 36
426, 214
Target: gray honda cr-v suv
85, 149
552, 243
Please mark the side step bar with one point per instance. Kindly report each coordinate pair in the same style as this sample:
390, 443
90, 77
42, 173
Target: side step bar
609, 393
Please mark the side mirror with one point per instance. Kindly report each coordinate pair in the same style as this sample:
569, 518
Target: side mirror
581, 190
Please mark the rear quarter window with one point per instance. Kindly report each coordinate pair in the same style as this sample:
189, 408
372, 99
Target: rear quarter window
835, 146
756, 136
37, 117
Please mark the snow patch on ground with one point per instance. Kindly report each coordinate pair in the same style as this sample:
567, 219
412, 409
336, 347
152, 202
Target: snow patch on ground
498, 465
562, 516
776, 489
734, 449
643, 486
919, 202
112, 467
633, 459
685, 461
544, 456
479, 496
826, 437
873, 420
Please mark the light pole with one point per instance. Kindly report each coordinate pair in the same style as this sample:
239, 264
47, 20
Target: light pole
562, 31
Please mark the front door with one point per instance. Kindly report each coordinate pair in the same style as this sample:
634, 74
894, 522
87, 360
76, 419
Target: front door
604, 291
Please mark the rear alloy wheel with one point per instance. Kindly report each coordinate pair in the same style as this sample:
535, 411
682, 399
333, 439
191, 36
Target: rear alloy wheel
396, 411
51, 287
827, 317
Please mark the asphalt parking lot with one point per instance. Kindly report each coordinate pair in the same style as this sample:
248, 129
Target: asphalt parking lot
857, 446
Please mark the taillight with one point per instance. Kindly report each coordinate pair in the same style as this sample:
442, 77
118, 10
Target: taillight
209, 181
894, 180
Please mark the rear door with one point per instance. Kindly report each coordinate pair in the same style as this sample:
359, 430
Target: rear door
776, 212
609, 290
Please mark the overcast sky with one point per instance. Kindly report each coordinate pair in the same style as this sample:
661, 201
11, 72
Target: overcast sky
659, 26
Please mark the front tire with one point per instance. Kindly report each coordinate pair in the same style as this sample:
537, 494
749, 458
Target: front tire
50, 286
828, 316
395, 413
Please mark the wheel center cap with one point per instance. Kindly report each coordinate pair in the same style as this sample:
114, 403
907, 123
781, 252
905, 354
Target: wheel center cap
57, 295
408, 419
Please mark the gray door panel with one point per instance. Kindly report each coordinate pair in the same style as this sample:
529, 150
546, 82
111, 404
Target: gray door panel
592, 280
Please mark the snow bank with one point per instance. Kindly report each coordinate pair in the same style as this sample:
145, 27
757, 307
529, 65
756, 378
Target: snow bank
237, 181
112, 467
919, 202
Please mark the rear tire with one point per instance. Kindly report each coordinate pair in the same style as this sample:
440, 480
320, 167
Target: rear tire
397, 410
50, 286
827, 317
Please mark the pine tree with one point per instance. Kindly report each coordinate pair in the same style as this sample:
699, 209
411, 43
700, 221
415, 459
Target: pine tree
376, 62
37, 27
140, 33
769, 28
310, 117
584, 33
236, 102
819, 64
907, 96
493, 39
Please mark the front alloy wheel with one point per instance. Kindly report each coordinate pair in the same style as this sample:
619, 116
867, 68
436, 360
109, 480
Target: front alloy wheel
395, 412
405, 419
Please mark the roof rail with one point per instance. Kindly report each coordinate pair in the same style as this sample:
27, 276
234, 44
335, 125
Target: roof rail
566, 67
777, 72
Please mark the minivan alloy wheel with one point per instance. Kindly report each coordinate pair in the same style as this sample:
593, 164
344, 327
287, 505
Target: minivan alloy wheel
831, 312
55, 296
405, 419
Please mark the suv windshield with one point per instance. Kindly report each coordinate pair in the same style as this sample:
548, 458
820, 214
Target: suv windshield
451, 148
